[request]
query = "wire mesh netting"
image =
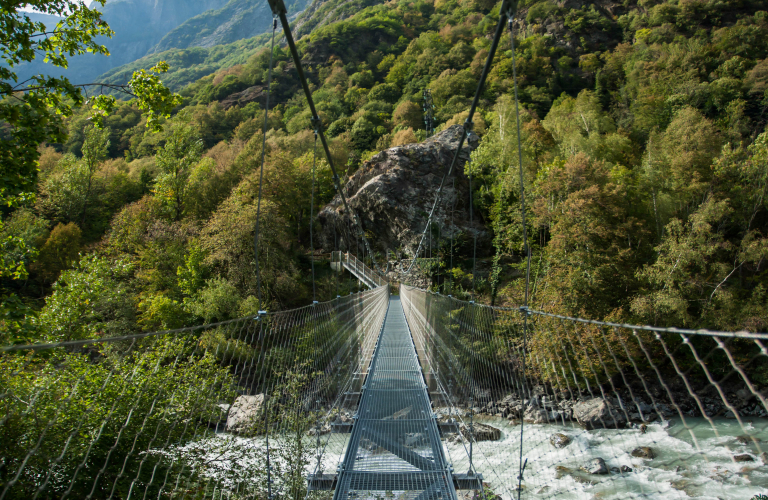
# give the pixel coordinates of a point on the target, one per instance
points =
(189, 413)
(606, 410)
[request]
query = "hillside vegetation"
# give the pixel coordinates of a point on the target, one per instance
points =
(644, 149)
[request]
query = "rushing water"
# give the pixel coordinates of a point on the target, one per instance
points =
(692, 461)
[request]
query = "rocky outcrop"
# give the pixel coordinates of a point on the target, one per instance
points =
(597, 413)
(394, 191)
(243, 413)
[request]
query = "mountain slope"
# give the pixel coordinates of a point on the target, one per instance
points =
(138, 25)
(237, 20)
(197, 59)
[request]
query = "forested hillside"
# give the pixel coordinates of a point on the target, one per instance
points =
(644, 146)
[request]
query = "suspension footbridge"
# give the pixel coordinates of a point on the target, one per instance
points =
(377, 395)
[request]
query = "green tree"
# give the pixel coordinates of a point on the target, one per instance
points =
(94, 152)
(34, 109)
(60, 251)
(176, 161)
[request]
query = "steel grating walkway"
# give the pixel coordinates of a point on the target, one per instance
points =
(395, 446)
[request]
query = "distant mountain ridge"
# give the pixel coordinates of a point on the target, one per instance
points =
(196, 59)
(140, 25)
(237, 20)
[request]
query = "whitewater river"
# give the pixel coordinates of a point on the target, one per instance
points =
(679, 469)
(691, 463)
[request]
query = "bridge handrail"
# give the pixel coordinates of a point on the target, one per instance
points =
(351, 261)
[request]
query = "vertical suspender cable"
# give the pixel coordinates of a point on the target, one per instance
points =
(261, 168)
(471, 223)
(312, 221)
(525, 244)
(507, 7)
(256, 237)
(279, 10)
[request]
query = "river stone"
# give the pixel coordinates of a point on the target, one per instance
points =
(596, 466)
(485, 432)
(534, 415)
(643, 452)
(625, 468)
(559, 440)
(748, 439)
(561, 471)
(243, 412)
(598, 413)
(730, 414)
(743, 458)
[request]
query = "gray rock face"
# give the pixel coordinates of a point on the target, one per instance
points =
(598, 413)
(243, 412)
(595, 466)
(394, 191)
(643, 452)
(559, 440)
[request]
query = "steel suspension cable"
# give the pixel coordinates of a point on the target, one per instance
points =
(261, 168)
(312, 220)
(279, 10)
(507, 7)
(526, 248)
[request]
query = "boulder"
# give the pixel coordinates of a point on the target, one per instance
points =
(643, 452)
(535, 415)
(559, 440)
(598, 413)
(243, 413)
(748, 439)
(595, 466)
(730, 414)
(625, 468)
(744, 457)
(485, 432)
(393, 193)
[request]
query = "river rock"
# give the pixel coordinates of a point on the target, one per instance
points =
(598, 413)
(561, 471)
(625, 468)
(744, 457)
(643, 452)
(730, 414)
(748, 439)
(595, 466)
(243, 412)
(483, 432)
(559, 440)
(535, 415)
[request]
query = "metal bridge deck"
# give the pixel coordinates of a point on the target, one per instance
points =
(395, 446)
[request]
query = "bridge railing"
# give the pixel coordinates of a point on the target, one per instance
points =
(692, 398)
(357, 267)
(193, 412)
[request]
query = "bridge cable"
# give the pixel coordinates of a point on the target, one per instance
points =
(256, 238)
(506, 8)
(261, 168)
(279, 10)
(312, 221)
(527, 249)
